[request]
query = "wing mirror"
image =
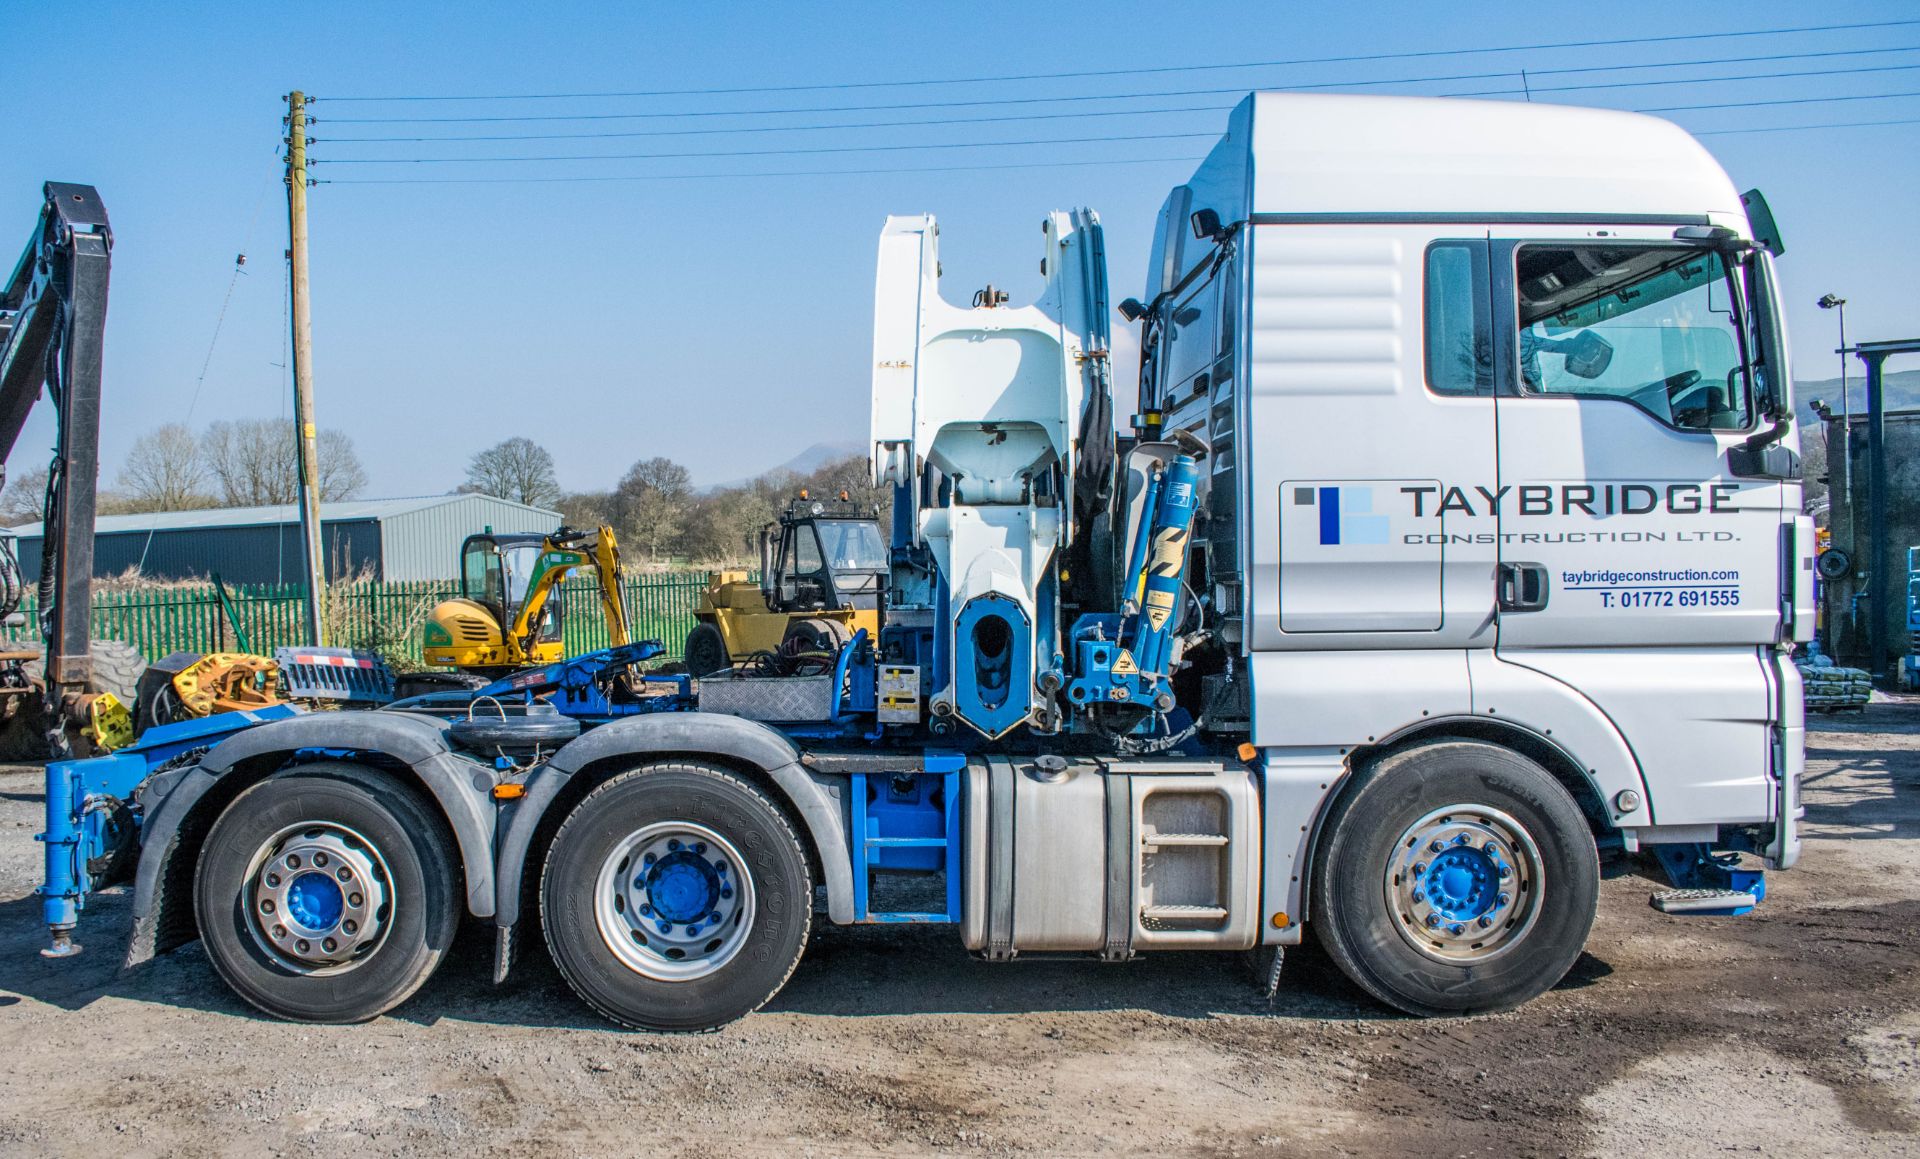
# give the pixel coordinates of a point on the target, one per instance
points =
(1588, 355)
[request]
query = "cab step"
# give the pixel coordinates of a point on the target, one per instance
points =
(1704, 902)
(1184, 914)
(1707, 884)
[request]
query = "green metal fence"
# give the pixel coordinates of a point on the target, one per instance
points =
(383, 617)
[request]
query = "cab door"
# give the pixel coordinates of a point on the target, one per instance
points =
(1637, 569)
(1625, 380)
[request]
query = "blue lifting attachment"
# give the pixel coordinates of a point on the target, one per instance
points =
(1126, 658)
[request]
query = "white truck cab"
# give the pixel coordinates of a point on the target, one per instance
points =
(1494, 393)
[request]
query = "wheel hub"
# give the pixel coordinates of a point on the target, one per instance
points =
(1463, 883)
(319, 897)
(673, 901)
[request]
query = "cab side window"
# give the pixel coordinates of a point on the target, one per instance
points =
(1459, 324)
(1657, 326)
(1191, 348)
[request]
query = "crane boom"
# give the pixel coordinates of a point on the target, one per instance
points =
(53, 313)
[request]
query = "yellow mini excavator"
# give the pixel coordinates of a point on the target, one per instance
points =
(503, 619)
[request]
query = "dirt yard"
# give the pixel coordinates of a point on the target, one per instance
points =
(1795, 1031)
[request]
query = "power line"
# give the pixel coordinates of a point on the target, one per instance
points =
(775, 173)
(1801, 128)
(522, 159)
(994, 101)
(1786, 101)
(947, 168)
(921, 82)
(629, 133)
(769, 152)
(1644, 84)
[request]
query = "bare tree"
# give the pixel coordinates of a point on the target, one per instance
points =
(24, 500)
(518, 469)
(341, 475)
(255, 462)
(165, 472)
(651, 503)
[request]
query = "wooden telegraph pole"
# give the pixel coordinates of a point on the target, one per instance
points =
(303, 368)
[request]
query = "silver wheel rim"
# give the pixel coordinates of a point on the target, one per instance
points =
(318, 897)
(1463, 884)
(674, 901)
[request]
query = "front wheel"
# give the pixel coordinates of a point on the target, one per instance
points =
(1456, 878)
(327, 893)
(676, 897)
(706, 651)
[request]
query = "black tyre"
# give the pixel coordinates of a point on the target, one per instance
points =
(706, 651)
(1455, 878)
(327, 893)
(117, 668)
(676, 897)
(513, 734)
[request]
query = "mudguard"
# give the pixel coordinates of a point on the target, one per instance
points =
(462, 787)
(819, 801)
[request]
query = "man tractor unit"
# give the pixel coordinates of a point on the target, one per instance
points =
(1454, 542)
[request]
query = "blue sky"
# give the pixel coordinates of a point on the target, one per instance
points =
(725, 321)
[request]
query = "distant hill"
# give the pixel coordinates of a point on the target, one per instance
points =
(1902, 389)
(804, 463)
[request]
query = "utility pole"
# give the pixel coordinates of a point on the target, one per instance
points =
(303, 368)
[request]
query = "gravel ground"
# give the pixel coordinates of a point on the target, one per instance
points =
(1795, 1031)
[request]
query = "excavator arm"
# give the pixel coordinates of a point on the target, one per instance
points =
(560, 555)
(613, 601)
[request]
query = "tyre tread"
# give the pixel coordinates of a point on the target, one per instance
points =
(398, 798)
(585, 809)
(1329, 932)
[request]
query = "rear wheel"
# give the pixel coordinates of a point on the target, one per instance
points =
(327, 893)
(1456, 878)
(676, 897)
(706, 651)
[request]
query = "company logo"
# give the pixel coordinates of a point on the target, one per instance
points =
(1346, 514)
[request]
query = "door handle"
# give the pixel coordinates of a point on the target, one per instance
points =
(1523, 587)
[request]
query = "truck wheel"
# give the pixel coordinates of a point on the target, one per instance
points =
(1455, 878)
(706, 651)
(326, 893)
(676, 897)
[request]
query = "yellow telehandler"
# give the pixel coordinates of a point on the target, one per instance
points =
(822, 568)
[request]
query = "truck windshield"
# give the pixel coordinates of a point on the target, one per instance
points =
(1659, 326)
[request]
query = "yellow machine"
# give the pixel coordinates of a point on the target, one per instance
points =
(504, 619)
(822, 568)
